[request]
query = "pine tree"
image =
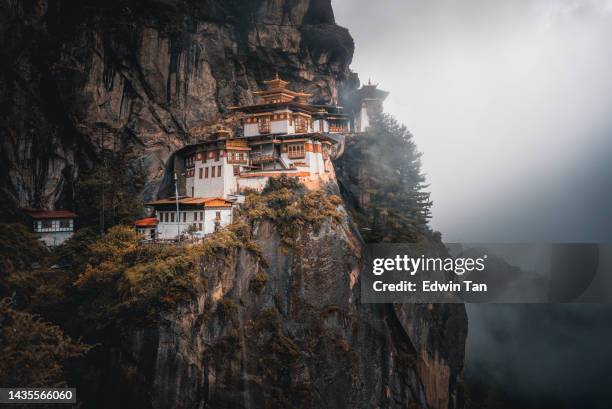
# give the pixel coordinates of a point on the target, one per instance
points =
(380, 173)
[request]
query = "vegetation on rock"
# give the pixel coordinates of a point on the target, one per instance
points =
(33, 351)
(286, 203)
(19, 248)
(109, 193)
(380, 176)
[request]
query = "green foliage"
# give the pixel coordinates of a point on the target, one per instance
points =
(226, 310)
(286, 203)
(33, 351)
(123, 277)
(380, 174)
(258, 282)
(283, 182)
(268, 320)
(109, 193)
(74, 252)
(237, 235)
(19, 248)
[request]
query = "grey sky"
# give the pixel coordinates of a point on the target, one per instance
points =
(511, 104)
(509, 101)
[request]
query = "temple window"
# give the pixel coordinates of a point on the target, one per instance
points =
(300, 124)
(264, 124)
(296, 151)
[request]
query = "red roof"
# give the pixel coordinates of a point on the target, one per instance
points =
(51, 214)
(146, 222)
(194, 201)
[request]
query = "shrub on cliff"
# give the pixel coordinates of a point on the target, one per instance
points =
(19, 247)
(33, 351)
(108, 193)
(290, 207)
(124, 278)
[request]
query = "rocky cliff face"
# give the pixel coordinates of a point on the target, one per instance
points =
(144, 78)
(80, 78)
(286, 329)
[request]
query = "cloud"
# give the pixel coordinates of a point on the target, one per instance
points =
(542, 352)
(508, 101)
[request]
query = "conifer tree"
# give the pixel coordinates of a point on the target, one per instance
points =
(380, 173)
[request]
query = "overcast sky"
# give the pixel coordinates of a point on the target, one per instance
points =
(510, 103)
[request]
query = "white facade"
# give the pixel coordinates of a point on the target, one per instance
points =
(204, 221)
(53, 232)
(363, 120)
(147, 233)
(225, 171)
(283, 121)
(213, 178)
(321, 125)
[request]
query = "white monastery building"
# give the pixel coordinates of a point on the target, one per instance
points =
(370, 100)
(282, 135)
(53, 227)
(196, 216)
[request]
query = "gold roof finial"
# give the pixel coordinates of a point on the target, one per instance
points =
(277, 76)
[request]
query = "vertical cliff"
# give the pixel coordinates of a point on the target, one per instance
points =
(284, 329)
(143, 78)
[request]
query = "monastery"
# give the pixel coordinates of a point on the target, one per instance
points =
(283, 134)
(53, 227)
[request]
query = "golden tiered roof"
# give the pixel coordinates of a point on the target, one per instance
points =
(277, 92)
(222, 133)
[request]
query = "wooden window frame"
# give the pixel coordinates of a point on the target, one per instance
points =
(264, 125)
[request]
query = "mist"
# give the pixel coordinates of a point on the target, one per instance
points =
(509, 104)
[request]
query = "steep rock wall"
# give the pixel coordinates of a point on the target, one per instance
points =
(302, 339)
(286, 329)
(148, 77)
(144, 78)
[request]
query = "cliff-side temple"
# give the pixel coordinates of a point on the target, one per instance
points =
(282, 134)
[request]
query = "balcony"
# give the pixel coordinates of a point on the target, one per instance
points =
(296, 155)
(338, 128)
(236, 143)
(257, 158)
